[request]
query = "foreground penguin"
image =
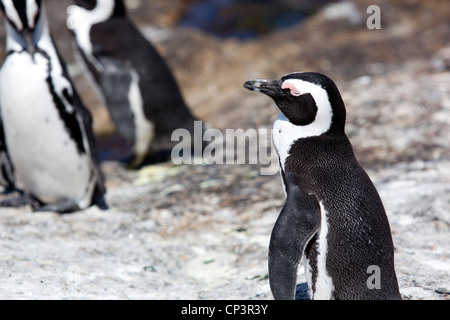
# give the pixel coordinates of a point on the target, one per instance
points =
(142, 96)
(47, 129)
(333, 215)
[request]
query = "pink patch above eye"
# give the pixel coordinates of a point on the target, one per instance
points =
(294, 91)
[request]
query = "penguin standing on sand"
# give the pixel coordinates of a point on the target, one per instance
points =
(47, 129)
(141, 94)
(333, 215)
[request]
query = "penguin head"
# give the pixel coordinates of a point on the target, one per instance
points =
(116, 6)
(85, 13)
(86, 4)
(23, 18)
(308, 100)
(22, 15)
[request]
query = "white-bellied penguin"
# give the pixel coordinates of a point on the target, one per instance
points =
(333, 215)
(137, 85)
(47, 129)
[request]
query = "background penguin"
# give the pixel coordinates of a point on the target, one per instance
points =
(142, 95)
(48, 131)
(333, 214)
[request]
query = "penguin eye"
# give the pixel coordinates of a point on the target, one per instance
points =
(292, 89)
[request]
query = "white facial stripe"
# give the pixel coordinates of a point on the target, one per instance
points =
(80, 21)
(32, 8)
(12, 14)
(322, 123)
(285, 133)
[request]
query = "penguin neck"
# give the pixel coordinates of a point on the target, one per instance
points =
(41, 35)
(80, 21)
(103, 11)
(286, 135)
(14, 40)
(119, 9)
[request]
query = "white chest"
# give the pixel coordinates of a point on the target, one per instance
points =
(284, 134)
(46, 161)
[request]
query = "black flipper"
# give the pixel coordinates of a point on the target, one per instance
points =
(85, 121)
(6, 167)
(297, 223)
(115, 81)
(81, 121)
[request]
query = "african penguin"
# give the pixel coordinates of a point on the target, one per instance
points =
(141, 94)
(333, 215)
(47, 129)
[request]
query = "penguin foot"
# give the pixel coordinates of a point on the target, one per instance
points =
(157, 157)
(18, 201)
(60, 207)
(160, 156)
(134, 162)
(102, 204)
(302, 292)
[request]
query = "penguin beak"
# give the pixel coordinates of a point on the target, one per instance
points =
(28, 37)
(272, 88)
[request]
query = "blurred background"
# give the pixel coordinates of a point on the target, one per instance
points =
(214, 46)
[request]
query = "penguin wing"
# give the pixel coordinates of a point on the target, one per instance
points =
(84, 119)
(6, 167)
(297, 223)
(115, 80)
(79, 125)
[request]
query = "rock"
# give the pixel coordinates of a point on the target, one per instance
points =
(416, 292)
